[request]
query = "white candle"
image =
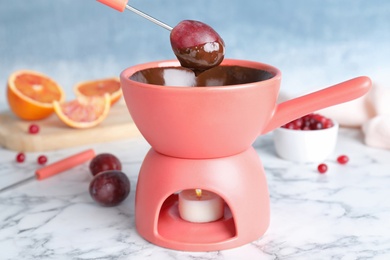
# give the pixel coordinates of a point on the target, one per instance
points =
(203, 207)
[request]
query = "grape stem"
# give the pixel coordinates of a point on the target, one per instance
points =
(146, 16)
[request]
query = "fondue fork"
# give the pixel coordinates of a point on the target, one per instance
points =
(121, 5)
(56, 167)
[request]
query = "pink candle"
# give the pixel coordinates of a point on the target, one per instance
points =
(200, 206)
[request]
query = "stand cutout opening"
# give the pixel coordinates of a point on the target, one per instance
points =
(172, 227)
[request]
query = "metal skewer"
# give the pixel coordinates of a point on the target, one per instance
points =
(121, 5)
(18, 183)
(150, 18)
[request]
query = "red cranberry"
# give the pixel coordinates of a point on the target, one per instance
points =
(322, 168)
(42, 159)
(33, 129)
(328, 123)
(20, 157)
(316, 126)
(306, 124)
(290, 125)
(342, 159)
(320, 118)
(296, 124)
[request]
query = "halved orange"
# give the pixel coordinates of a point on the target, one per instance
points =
(30, 94)
(83, 112)
(99, 87)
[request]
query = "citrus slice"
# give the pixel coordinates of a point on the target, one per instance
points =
(83, 112)
(99, 87)
(31, 94)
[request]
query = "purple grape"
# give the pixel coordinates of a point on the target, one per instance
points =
(109, 188)
(197, 46)
(104, 162)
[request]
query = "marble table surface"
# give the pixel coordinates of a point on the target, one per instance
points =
(343, 214)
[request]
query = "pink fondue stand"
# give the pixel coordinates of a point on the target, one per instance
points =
(201, 138)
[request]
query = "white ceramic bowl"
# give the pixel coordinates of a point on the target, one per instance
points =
(305, 145)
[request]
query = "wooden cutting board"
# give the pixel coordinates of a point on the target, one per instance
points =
(54, 134)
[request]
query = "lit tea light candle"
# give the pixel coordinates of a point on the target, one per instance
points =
(200, 206)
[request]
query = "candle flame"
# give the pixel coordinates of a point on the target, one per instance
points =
(198, 193)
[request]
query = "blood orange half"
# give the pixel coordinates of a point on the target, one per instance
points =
(112, 86)
(31, 94)
(83, 112)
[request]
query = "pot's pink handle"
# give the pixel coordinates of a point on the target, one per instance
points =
(297, 107)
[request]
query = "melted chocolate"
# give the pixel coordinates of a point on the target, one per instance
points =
(201, 57)
(218, 76)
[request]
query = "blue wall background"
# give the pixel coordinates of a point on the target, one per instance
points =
(315, 43)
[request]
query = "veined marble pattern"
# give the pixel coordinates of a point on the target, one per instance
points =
(344, 214)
